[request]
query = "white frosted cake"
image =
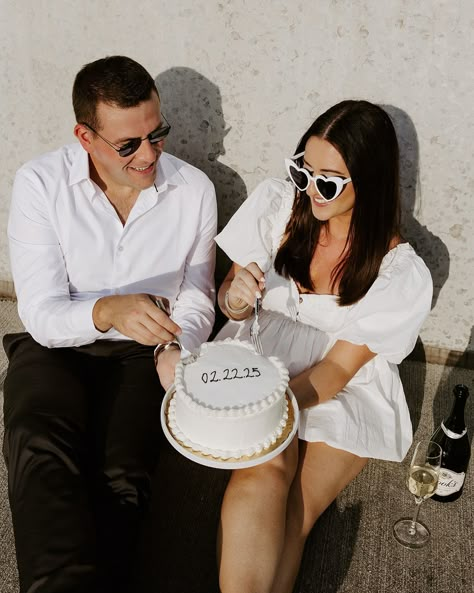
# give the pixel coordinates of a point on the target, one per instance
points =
(229, 401)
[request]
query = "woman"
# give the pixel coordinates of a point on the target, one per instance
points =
(344, 298)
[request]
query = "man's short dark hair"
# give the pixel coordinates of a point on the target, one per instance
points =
(114, 80)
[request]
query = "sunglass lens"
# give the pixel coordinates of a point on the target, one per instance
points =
(298, 178)
(130, 147)
(327, 189)
(159, 134)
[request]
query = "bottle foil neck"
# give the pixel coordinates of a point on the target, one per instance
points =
(451, 434)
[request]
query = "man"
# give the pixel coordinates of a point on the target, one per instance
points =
(98, 230)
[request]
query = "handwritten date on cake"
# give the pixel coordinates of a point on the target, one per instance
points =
(230, 374)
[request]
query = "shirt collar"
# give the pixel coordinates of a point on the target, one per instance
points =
(79, 165)
(167, 173)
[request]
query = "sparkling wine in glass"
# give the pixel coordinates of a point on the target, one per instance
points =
(422, 480)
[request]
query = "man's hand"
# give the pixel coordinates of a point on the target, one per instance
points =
(166, 365)
(135, 316)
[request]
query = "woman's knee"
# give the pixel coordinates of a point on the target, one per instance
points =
(323, 474)
(284, 466)
(278, 472)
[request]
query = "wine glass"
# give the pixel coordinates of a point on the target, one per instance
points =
(422, 480)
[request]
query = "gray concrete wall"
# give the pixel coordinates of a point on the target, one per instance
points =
(241, 80)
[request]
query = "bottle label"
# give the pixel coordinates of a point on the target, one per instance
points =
(449, 482)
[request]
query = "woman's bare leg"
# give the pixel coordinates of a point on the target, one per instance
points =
(323, 472)
(252, 529)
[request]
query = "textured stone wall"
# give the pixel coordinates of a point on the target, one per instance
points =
(241, 80)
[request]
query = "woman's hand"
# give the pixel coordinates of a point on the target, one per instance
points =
(246, 285)
(237, 293)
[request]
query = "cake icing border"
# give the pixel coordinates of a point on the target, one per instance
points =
(229, 456)
(229, 411)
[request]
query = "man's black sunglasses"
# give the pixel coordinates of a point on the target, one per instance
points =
(133, 144)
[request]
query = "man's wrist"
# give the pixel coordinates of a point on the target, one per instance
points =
(172, 345)
(98, 320)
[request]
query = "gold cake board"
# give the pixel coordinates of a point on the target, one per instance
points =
(233, 462)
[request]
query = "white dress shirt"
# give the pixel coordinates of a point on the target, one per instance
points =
(68, 247)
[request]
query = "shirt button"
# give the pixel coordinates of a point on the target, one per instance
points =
(120, 248)
(301, 299)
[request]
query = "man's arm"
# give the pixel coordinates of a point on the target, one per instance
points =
(135, 316)
(39, 271)
(193, 310)
(42, 284)
(194, 306)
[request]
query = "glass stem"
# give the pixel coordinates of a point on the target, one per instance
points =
(418, 502)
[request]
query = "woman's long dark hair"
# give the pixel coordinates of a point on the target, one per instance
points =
(364, 136)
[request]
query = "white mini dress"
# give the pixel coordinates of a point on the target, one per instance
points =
(369, 417)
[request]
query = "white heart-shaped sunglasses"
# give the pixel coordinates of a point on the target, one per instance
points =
(329, 188)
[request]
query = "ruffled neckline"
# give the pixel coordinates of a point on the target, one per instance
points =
(387, 260)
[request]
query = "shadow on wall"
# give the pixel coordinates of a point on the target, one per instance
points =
(428, 246)
(193, 106)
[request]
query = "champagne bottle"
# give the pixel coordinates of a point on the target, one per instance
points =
(452, 437)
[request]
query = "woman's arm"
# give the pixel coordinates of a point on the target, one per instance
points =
(326, 379)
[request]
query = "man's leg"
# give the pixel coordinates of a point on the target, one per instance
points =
(45, 448)
(127, 425)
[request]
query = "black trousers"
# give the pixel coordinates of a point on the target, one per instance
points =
(82, 432)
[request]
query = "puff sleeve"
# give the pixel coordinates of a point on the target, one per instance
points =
(389, 317)
(254, 232)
